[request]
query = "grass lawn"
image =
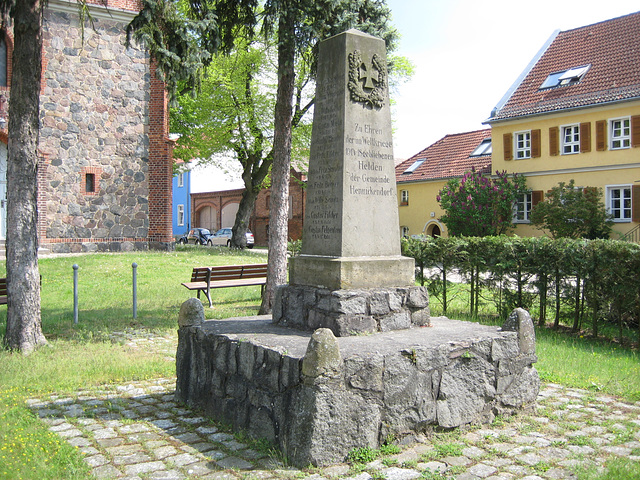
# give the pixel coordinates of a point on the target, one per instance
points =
(86, 354)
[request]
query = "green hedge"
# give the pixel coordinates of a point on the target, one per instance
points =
(582, 283)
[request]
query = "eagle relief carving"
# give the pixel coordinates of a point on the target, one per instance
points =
(367, 81)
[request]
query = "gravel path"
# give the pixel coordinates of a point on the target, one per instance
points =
(137, 431)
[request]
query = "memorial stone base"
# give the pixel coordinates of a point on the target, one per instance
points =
(317, 397)
(351, 312)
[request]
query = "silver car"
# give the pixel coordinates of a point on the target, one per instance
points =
(223, 237)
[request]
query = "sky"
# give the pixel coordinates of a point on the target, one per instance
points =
(466, 54)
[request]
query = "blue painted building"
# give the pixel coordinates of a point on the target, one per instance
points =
(181, 210)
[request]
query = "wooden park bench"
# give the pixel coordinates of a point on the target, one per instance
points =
(3, 291)
(203, 279)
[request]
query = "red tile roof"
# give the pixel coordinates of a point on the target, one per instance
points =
(612, 48)
(447, 158)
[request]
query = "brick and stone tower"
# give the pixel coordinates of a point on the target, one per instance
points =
(105, 171)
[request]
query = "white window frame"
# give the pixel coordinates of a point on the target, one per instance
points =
(522, 208)
(522, 145)
(619, 133)
(181, 215)
(404, 231)
(404, 197)
(571, 146)
(180, 180)
(616, 206)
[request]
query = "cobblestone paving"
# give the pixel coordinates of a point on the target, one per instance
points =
(138, 431)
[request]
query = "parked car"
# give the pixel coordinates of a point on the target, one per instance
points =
(223, 237)
(197, 236)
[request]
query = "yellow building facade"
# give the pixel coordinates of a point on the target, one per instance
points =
(573, 114)
(420, 178)
(420, 215)
(614, 170)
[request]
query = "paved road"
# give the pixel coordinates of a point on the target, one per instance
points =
(137, 430)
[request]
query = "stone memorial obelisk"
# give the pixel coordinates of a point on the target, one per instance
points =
(351, 276)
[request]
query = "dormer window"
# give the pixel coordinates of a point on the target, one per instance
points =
(414, 166)
(565, 77)
(483, 149)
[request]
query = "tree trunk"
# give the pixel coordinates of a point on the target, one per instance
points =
(576, 313)
(280, 171)
(473, 287)
(241, 225)
(556, 321)
(543, 298)
(444, 289)
(24, 325)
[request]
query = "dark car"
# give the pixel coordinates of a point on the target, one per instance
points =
(196, 236)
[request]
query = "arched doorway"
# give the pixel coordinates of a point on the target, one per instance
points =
(207, 218)
(229, 213)
(433, 229)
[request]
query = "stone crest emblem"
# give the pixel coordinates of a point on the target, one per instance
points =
(367, 81)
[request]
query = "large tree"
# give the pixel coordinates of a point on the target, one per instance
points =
(232, 116)
(24, 326)
(182, 36)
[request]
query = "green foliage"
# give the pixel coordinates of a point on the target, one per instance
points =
(362, 455)
(573, 212)
(449, 449)
(479, 205)
(294, 247)
(183, 40)
(618, 469)
(593, 283)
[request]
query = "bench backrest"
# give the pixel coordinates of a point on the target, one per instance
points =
(200, 274)
(229, 272)
(3, 286)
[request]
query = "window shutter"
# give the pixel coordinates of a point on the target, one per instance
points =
(507, 139)
(635, 203)
(554, 147)
(635, 131)
(601, 135)
(537, 196)
(535, 143)
(585, 137)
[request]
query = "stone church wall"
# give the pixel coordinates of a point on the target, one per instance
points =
(103, 155)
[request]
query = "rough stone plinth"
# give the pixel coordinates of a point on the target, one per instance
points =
(318, 398)
(351, 312)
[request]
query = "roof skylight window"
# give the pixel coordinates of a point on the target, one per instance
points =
(565, 77)
(414, 165)
(483, 149)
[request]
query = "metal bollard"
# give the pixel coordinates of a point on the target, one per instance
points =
(134, 265)
(75, 293)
